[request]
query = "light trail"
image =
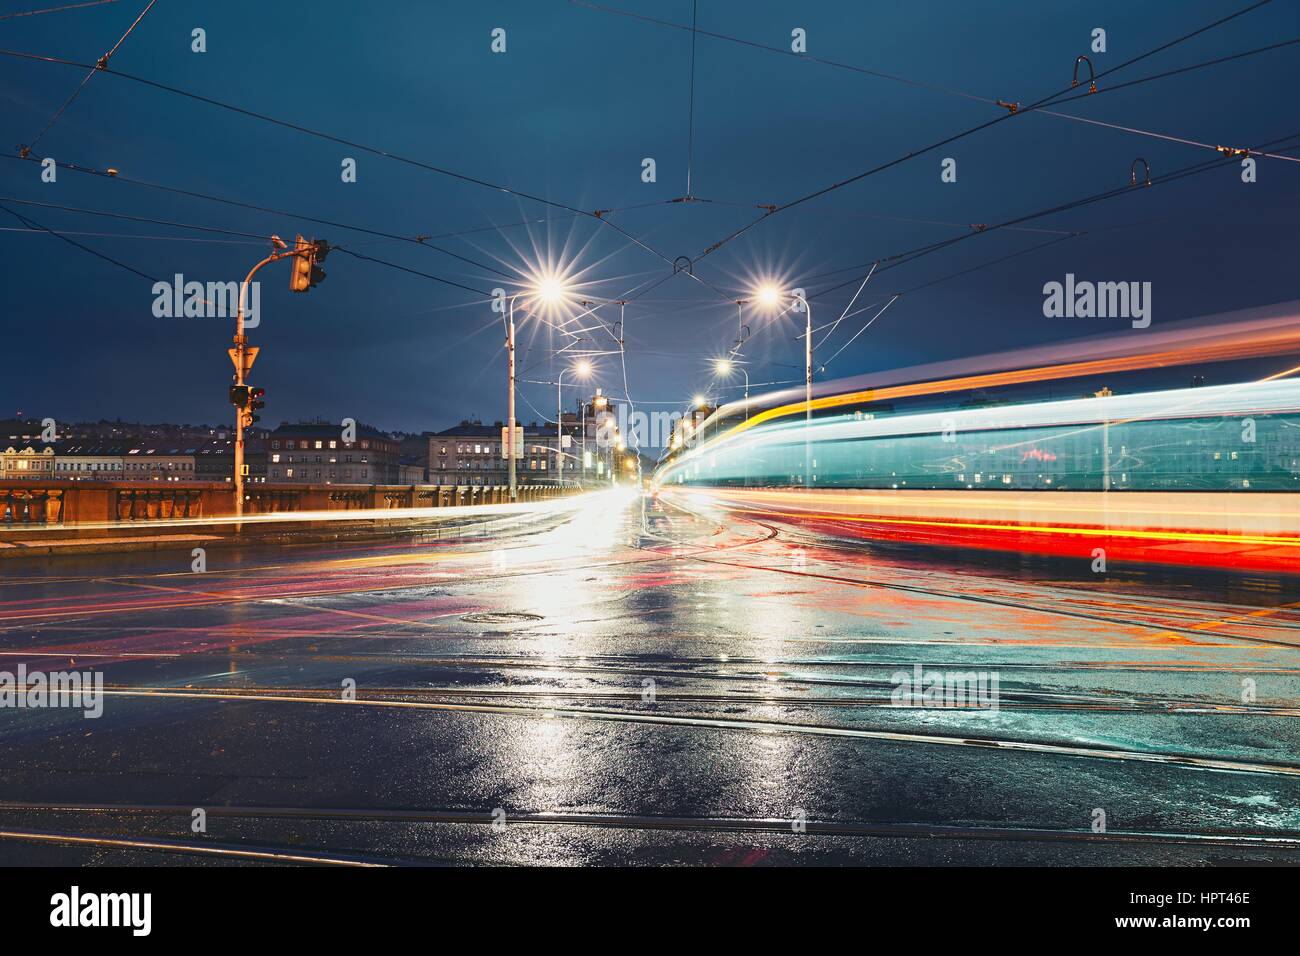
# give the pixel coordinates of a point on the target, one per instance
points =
(1249, 334)
(554, 506)
(958, 595)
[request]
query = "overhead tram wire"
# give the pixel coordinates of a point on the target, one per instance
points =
(906, 257)
(31, 223)
(976, 268)
(1020, 110)
(771, 49)
(690, 123)
(194, 194)
(866, 325)
(836, 323)
(892, 77)
(130, 236)
(1127, 189)
(373, 150)
(100, 66)
(987, 264)
(60, 234)
(1227, 58)
(424, 275)
(144, 219)
(420, 239)
(1247, 151)
(70, 6)
(909, 256)
(1173, 139)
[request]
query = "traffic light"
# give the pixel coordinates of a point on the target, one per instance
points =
(307, 256)
(255, 403)
(239, 396)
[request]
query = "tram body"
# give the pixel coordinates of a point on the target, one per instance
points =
(1197, 476)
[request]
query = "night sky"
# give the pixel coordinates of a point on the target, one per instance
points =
(567, 113)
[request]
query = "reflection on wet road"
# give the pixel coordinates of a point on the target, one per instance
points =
(648, 681)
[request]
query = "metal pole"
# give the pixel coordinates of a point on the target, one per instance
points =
(744, 474)
(510, 424)
(808, 372)
(241, 350)
(559, 430)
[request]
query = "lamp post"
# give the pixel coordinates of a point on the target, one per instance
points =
(770, 295)
(808, 367)
(550, 291)
(510, 398)
(582, 370)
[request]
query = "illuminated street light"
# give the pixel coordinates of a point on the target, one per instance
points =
(581, 369)
(724, 367)
(550, 289)
(771, 296)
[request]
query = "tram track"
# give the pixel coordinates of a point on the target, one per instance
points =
(1280, 840)
(724, 723)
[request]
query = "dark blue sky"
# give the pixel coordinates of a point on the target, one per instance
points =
(567, 113)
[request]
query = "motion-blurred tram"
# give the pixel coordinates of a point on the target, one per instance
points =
(1192, 476)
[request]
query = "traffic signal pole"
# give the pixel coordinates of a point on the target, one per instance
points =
(242, 356)
(246, 400)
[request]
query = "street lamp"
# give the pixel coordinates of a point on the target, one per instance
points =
(550, 290)
(772, 296)
(581, 369)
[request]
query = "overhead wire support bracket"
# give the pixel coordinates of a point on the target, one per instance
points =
(1092, 74)
(1133, 172)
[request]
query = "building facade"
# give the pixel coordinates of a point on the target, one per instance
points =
(315, 453)
(472, 453)
(27, 461)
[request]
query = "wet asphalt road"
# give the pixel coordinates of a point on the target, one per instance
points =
(638, 683)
